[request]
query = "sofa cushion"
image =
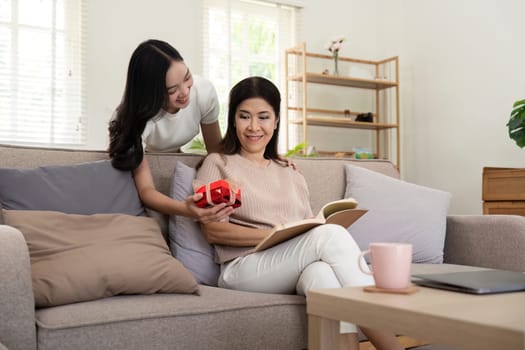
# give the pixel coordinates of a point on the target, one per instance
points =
(219, 319)
(398, 211)
(84, 257)
(84, 188)
(187, 243)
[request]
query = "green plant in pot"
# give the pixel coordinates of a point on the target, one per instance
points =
(516, 123)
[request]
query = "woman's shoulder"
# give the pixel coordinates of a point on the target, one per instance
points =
(213, 163)
(215, 158)
(212, 157)
(286, 168)
(206, 99)
(202, 83)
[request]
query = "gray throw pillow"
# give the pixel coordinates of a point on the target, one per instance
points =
(84, 188)
(398, 211)
(187, 243)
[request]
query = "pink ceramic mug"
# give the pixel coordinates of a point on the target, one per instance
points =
(390, 264)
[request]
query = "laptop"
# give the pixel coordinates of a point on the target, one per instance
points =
(474, 282)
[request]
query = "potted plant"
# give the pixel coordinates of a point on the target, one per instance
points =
(334, 46)
(516, 123)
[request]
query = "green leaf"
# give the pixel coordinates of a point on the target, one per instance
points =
(516, 123)
(197, 146)
(297, 150)
(520, 102)
(519, 137)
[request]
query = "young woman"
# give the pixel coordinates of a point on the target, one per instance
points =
(164, 106)
(273, 193)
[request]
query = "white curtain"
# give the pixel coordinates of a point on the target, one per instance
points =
(41, 77)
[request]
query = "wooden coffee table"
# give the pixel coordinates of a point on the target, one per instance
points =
(467, 321)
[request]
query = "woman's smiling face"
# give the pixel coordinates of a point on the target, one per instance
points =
(255, 122)
(178, 84)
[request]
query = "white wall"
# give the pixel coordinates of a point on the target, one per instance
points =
(114, 30)
(462, 69)
(461, 66)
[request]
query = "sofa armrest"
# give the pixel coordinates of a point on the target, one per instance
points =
(494, 241)
(17, 305)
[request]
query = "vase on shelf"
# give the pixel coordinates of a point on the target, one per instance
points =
(336, 62)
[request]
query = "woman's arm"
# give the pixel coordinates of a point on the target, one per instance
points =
(226, 233)
(211, 133)
(158, 201)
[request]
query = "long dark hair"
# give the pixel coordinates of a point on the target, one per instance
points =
(252, 87)
(144, 96)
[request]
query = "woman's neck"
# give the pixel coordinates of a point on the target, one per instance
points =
(172, 111)
(256, 158)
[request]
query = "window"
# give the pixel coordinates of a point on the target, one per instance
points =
(41, 92)
(244, 38)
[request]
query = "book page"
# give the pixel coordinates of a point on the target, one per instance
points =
(346, 217)
(335, 206)
(343, 217)
(282, 233)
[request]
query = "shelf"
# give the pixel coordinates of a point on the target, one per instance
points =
(340, 154)
(328, 79)
(381, 99)
(343, 122)
(323, 110)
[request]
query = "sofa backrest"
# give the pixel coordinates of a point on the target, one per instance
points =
(325, 176)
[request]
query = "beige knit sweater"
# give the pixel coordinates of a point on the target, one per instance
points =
(270, 195)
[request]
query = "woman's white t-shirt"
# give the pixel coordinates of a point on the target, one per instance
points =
(167, 132)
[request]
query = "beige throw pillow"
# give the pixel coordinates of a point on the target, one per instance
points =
(85, 257)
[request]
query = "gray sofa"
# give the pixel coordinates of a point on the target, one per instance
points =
(218, 318)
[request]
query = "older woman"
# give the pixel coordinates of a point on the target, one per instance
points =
(273, 193)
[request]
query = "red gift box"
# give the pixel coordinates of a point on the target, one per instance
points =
(217, 192)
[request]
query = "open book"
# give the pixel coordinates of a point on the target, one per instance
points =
(343, 212)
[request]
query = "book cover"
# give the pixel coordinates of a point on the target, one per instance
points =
(342, 212)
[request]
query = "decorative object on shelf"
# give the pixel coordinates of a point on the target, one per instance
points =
(365, 117)
(363, 153)
(516, 123)
(346, 113)
(334, 47)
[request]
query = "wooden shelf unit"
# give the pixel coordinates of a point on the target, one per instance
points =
(310, 116)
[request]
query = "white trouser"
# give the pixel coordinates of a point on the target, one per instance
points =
(324, 257)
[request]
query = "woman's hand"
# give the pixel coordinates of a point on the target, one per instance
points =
(289, 163)
(217, 212)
